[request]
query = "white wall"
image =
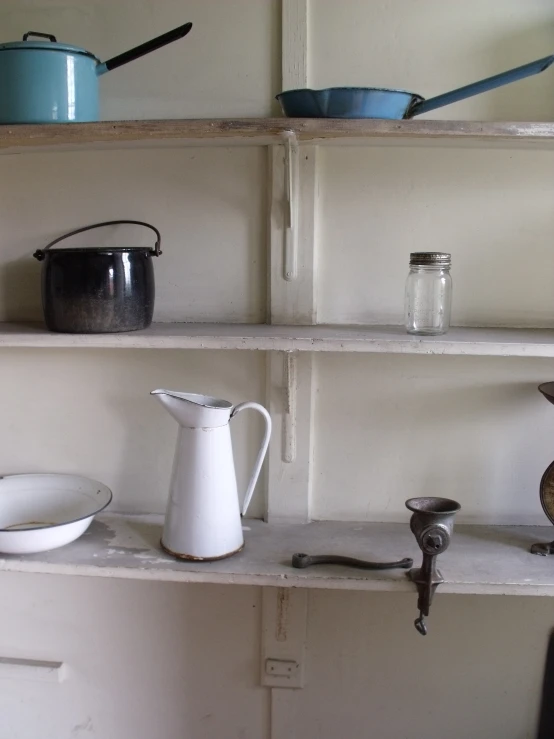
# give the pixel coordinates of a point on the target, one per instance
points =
(209, 205)
(227, 66)
(392, 427)
(143, 660)
(486, 429)
(491, 209)
(172, 661)
(430, 47)
(163, 660)
(477, 676)
(159, 660)
(90, 412)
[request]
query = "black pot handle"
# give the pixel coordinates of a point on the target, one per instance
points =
(42, 35)
(146, 48)
(156, 251)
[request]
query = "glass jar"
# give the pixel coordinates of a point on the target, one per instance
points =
(428, 294)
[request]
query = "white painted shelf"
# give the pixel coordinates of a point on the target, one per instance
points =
(265, 131)
(372, 339)
(483, 560)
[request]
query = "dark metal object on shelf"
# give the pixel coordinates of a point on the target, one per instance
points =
(544, 549)
(546, 489)
(547, 389)
(546, 492)
(301, 560)
(432, 523)
(101, 289)
(546, 715)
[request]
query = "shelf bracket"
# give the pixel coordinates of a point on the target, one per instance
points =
(294, 38)
(290, 260)
(290, 372)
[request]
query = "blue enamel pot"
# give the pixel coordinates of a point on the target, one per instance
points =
(43, 81)
(378, 102)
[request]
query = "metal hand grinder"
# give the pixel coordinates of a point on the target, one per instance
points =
(431, 523)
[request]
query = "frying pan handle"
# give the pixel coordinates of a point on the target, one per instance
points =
(156, 251)
(490, 83)
(146, 48)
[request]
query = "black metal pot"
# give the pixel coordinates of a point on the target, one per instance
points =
(101, 289)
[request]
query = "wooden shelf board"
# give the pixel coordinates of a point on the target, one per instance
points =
(263, 131)
(371, 339)
(483, 560)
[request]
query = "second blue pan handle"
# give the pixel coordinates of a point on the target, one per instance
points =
(498, 80)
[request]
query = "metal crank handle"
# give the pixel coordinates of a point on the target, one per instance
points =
(421, 626)
(301, 560)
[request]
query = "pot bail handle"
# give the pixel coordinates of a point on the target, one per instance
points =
(263, 449)
(156, 251)
(49, 36)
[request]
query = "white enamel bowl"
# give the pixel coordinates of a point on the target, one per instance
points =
(42, 512)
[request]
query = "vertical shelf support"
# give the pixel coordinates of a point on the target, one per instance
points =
(285, 619)
(292, 189)
(284, 613)
(289, 421)
(290, 383)
(294, 52)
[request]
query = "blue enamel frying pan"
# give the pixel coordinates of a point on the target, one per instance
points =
(377, 102)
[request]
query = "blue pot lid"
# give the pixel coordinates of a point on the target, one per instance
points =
(46, 46)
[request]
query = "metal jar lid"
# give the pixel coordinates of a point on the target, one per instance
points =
(430, 259)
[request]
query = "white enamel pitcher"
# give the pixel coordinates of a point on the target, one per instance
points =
(203, 518)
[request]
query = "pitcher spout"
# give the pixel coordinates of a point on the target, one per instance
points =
(195, 411)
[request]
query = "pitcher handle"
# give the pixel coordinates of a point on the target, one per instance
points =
(263, 449)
